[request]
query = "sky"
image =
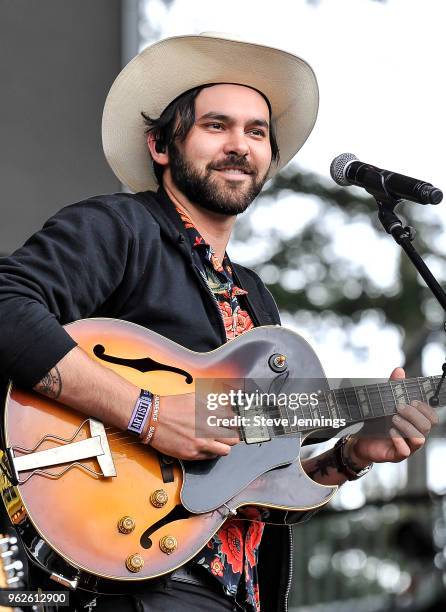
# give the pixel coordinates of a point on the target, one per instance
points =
(382, 79)
(380, 67)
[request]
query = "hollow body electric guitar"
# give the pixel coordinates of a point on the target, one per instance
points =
(95, 508)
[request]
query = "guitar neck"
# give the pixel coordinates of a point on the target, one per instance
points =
(339, 408)
(365, 402)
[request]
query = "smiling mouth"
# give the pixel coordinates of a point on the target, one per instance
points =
(232, 171)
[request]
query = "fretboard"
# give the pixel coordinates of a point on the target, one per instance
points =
(364, 402)
(350, 405)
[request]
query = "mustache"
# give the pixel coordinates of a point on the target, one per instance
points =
(239, 164)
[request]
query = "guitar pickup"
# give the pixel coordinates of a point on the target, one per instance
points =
(253, 428)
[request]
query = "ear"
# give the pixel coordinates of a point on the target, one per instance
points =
(161, 157)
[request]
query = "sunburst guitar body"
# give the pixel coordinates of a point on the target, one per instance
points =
(96, 509)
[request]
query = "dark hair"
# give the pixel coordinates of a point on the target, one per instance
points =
(177, 119)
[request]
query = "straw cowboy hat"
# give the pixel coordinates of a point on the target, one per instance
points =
(166, 69)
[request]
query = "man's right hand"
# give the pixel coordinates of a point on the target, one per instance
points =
(175, 431)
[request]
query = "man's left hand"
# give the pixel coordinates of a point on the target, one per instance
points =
(410, 428)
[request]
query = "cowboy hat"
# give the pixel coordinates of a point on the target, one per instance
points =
(166, 69)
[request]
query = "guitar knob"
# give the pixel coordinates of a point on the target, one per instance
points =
(168, 544)
(278, 362)
(134, 563)
(126, 524)
(159, 498)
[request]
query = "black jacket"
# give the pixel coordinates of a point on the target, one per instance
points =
(128, 257)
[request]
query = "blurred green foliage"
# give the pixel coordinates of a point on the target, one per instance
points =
(336, 285)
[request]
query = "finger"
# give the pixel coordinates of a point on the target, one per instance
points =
(228, 441)
(427, 410)
(397, 374)
(405, 427)
(413, 438)
(414, 416)
(203, 457)
(401, 447)
(214, 447)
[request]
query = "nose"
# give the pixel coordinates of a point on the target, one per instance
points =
(236, 143)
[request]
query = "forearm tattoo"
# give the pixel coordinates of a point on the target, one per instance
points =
(51, 384)
(322, 465)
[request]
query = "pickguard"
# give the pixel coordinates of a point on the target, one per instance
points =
(207, 485)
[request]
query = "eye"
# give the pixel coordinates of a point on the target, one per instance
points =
(258, 132)
(215, 126)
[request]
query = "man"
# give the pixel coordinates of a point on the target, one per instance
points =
(221, 116)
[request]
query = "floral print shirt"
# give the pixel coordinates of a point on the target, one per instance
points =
(231, 555)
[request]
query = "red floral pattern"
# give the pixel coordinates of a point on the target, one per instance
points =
(236, 323)
(217, 567)
(252, 542)
(231, 545)
(232, 553)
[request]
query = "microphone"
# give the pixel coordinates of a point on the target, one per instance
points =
(346, 169)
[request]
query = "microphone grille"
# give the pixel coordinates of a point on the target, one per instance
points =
(338, 167)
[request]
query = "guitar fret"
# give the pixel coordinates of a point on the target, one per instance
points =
(353, 403)
(392, 406)
(302, 410)
(295, 428)
(381, 398)
(315, 413)
(287, 428)
(320, 406)
(332, 405)
(399, 395)
(420, 389)
(420, 382)
(358, 403)
(434, 384)
(427, 388)
(364, 402)
(340, 404)
(346, 405)
(375, 401)
(413, 390)
(406, 390)
(329, 413)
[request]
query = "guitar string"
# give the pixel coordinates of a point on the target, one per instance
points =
(385, 391)
(409, 385)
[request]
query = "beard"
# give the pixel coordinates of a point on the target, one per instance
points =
(208, 191)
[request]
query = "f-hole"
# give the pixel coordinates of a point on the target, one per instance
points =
(143, 364)
(178, 513)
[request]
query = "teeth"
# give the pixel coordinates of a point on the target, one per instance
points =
(233, 171)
